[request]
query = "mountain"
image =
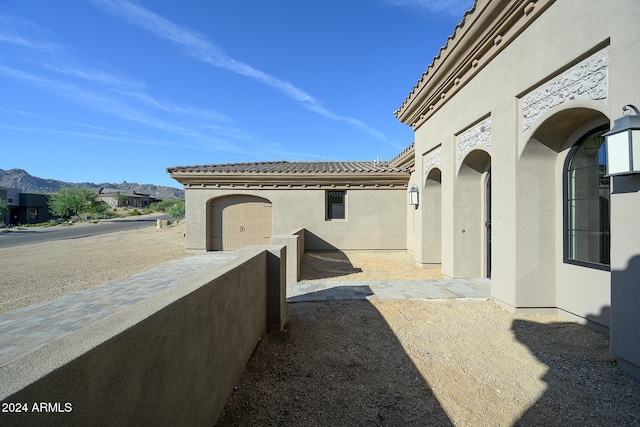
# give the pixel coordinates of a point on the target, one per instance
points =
(21, 179)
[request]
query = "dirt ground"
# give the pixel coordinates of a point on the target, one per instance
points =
(425, 363)
(363, 265)
(43, 271)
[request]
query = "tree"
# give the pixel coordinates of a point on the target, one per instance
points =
(4, 209)
(121, 199)
(176, 209)
(72, 201)
(173, 207)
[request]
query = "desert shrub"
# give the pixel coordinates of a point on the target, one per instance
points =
(173, 207)
(177, 209)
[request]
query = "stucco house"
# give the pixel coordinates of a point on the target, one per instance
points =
(508, 161)
(117, 199)
(25, 208)
(345, 205)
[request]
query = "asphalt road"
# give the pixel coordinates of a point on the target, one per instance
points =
(31, 235)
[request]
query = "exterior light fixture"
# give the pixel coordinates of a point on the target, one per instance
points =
(413, 196)
(623, 143)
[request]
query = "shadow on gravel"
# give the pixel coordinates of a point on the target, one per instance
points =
(315, 373)
(317, 265)
(584, 385)
(357, 292)
(339, 363)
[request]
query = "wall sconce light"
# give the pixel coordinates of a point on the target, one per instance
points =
(413, 196)
(623, 143)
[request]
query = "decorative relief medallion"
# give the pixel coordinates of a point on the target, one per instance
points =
(587, 80)
(433, 159)
(479, 134)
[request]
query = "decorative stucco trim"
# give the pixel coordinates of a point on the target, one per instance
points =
(586, 80)
(433, 159)
(480, 134)
(286, 186)
(299, 181)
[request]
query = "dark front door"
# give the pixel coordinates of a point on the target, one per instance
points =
(488, 224)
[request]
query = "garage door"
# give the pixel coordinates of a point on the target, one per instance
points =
(239, 221)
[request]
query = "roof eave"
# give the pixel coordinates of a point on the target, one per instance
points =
(485, 30)
(285, 179)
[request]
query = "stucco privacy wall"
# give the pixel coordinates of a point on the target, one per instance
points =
(506, 53)
(294, 243)
(375, 218)
(172, 359)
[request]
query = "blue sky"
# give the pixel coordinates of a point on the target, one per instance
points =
(117, 90)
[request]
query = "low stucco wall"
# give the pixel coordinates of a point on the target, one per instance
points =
(172, 359)
(294, 242)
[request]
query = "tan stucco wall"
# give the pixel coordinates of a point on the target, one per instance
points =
(172, 359)
(375, 218)
(527, 206)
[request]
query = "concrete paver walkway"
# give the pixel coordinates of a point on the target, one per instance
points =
(392, 289)
(27, 329)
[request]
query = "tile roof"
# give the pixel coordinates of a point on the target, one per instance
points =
(442, 53)
(286, 167)
(405, 159)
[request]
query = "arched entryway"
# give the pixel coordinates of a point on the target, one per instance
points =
(544, 277)
(239, 221)
(472, 216)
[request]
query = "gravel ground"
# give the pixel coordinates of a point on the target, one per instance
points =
(430, 363)
(437, 363)
(363, 265)
(372, 363)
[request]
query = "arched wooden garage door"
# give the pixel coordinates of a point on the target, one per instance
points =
(239, 221)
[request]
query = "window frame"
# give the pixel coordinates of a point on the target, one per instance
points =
(565, 205)
(327, 206)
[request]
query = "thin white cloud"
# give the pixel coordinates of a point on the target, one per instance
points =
(95, 76)
(17, 32)
(54, 57)
(29, 114)
(114, 107)
(54, 68)
(87, 135)
(199, 47)
(451, 7)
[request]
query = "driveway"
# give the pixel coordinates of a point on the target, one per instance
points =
(28, 235)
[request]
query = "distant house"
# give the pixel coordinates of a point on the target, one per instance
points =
(25, 208)
(117, 199)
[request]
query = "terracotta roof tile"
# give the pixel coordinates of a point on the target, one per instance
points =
(287, 167)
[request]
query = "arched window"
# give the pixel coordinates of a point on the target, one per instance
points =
(587, 203)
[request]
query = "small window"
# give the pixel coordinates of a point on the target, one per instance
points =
(587, 240)
(33, 214)
(335, 204)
